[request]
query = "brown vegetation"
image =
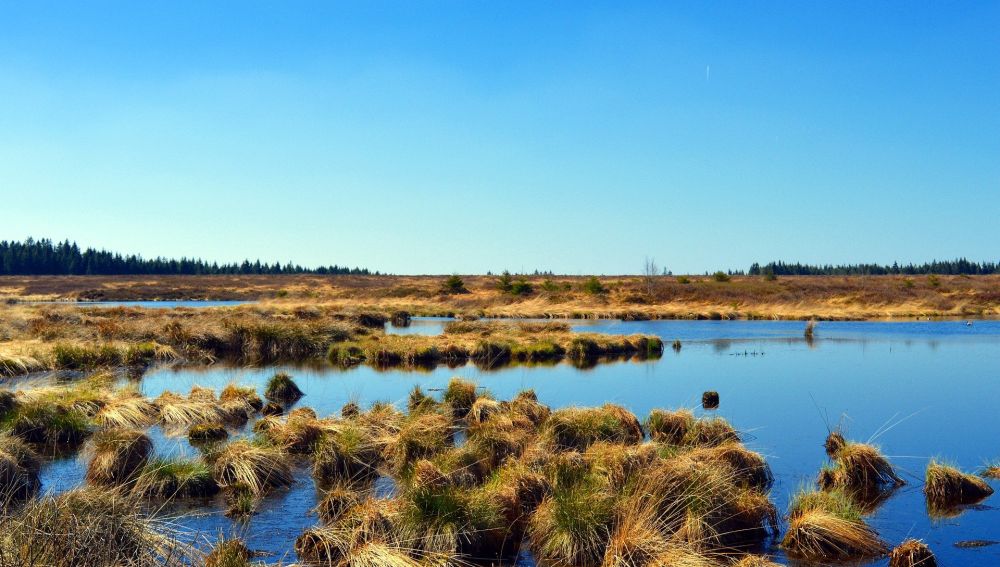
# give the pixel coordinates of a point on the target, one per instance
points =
(798, 297)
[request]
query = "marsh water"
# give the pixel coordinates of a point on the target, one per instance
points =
(917, 389)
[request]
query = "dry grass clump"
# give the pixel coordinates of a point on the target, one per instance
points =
(912, 553)
(336, 501)
(207, 432)
(578, 428)
(418, 401)
(948, 488)
(460, 395)
(420, 437)
(347, 452)
(526, 404)
(756, 561)
(127, 410)
(859, 467)
(299, 432)
(177, 411)
(703, 504)
(573, 523)
(749, 469)
(19, 468)
(282, 388)
(255, 466)
(482, 519)
(366, 534)
(710, 432)
(87, 527)
(669, 427)
(117, 456)
(229, 553)
(834, 443)
(233, 392)
(991, 471)
(54, 416)
(825, 526)
(175, 478)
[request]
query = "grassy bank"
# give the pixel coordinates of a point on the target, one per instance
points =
(798, 297)
(36, 337)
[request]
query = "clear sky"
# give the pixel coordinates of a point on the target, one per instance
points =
(439, 137)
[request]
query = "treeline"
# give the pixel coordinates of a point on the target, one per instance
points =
(44, 257)
(947, 267)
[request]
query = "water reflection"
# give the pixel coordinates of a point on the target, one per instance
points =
(918, 384)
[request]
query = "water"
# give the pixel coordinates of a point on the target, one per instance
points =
(928, 387)
(167, 304)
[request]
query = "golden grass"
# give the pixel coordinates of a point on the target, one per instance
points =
(912, 553)
(948, 488)
(89, 527)
(257, 467)
(858, 466)
(127, 411)
(789, 297)
(182, 412)
(116, 456)
(19, 468)
(828, 526)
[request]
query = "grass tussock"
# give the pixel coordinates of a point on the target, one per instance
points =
(912, 553)
(825, 526)
(88, 527)
(19, 468)
(180, 412)
(669, 427)
(127, 411)
(348, 452)
(281, 388)
(117, 456)
(207, 433)
(460, 395)
(578, 428)
(254, 466)
(176, 478)
(948, 488)
(859, 467)
(231, 552)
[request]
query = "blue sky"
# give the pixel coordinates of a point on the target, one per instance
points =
(439, 137)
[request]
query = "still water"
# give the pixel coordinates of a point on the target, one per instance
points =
(917, 389)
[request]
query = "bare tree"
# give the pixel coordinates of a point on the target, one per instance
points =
(649, 273)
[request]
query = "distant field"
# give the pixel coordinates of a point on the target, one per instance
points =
(827, 297)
